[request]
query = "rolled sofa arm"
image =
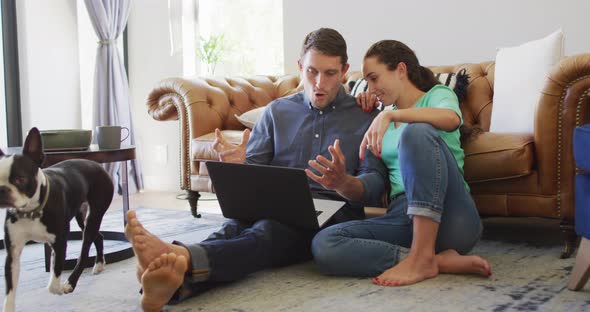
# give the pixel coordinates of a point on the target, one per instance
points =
(201, 105)
(214, 102)
(564, 104)
(189, 100)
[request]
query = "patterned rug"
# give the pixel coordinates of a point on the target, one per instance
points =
(527, 276)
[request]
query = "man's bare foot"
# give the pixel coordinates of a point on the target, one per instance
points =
(160, 281)
(450, 261)
(146, 245)
(139, 272)
(411, 270)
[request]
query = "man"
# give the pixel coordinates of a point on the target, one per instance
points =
(292, 131)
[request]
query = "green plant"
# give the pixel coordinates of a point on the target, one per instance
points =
(210, 50)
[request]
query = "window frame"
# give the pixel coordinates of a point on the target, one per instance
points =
(11, 74)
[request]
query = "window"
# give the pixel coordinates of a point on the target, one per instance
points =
(11, 119)
(251, 33)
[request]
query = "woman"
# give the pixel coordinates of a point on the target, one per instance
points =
(431, 210)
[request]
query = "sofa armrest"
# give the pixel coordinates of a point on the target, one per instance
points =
(201, 105)
(564, 104)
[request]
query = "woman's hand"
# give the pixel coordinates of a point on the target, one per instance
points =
(367, 101)
(373, 139)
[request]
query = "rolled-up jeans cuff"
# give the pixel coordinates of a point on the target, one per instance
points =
(402, 253)
(199, 263)
(425, 212)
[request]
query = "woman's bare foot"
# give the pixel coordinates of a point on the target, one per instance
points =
(146, 245)
(411, 270)
(160, 281)
(450, 261)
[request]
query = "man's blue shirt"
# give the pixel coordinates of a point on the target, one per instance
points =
(291, 132)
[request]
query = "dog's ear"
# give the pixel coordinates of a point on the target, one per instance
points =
(33, 147)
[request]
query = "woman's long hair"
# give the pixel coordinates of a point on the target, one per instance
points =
(393, 52)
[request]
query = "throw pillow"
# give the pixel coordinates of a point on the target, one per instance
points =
(250, 117)
(456, 81)
(519, 78)
(358, 86)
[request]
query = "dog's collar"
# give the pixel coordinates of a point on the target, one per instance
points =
(37, 212)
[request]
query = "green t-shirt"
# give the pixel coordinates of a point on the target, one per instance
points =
(438, 97)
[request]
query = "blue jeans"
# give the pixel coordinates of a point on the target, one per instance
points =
(241, 248)
(434, 188)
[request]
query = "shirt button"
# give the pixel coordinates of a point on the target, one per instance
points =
(333, 107)
(317, 135)
(321, 113)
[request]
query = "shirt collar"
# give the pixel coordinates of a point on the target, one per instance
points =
(330, 107)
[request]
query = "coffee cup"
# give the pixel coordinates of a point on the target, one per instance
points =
(109, 137)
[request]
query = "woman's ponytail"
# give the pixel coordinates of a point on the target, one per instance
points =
(424, 79)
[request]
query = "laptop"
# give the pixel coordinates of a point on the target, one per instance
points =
(254, 192)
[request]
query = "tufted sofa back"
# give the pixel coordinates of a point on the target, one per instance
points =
(218, 100)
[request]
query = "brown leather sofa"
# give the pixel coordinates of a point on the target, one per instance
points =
(511, 175)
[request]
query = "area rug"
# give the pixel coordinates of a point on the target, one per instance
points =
(527, 276)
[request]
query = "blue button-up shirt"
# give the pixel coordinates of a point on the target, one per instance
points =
(291, 132)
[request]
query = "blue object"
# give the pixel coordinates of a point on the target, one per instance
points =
(582, 159)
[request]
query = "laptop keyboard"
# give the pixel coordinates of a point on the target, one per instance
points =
(317, 213)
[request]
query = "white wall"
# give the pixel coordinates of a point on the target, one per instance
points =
(449, 32)
(455, 31)
(48, 60)
(150, 62)
(440, 32)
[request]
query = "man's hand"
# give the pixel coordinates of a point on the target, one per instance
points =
(368, 101)
(333, 173)
(228, 152)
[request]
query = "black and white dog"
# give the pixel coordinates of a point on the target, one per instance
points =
(40, 205)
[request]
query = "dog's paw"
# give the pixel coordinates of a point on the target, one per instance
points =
(8, 309)
(55, 287)
(9, 302)
(98, 267)
(68, 288)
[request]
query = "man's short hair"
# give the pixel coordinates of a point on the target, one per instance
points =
(326, 41)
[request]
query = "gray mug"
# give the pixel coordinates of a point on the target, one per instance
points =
(109, 137)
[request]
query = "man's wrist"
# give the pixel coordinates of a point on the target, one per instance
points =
(350, 188)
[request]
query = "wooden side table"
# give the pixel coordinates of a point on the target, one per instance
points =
(122, 155)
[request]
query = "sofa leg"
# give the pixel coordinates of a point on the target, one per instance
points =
(193, 197)
(571, 238)
(581, 271)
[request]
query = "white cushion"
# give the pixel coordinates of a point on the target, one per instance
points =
(250, 117)
(520, 75)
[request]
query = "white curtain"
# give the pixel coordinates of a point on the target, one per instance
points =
(111, 88)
